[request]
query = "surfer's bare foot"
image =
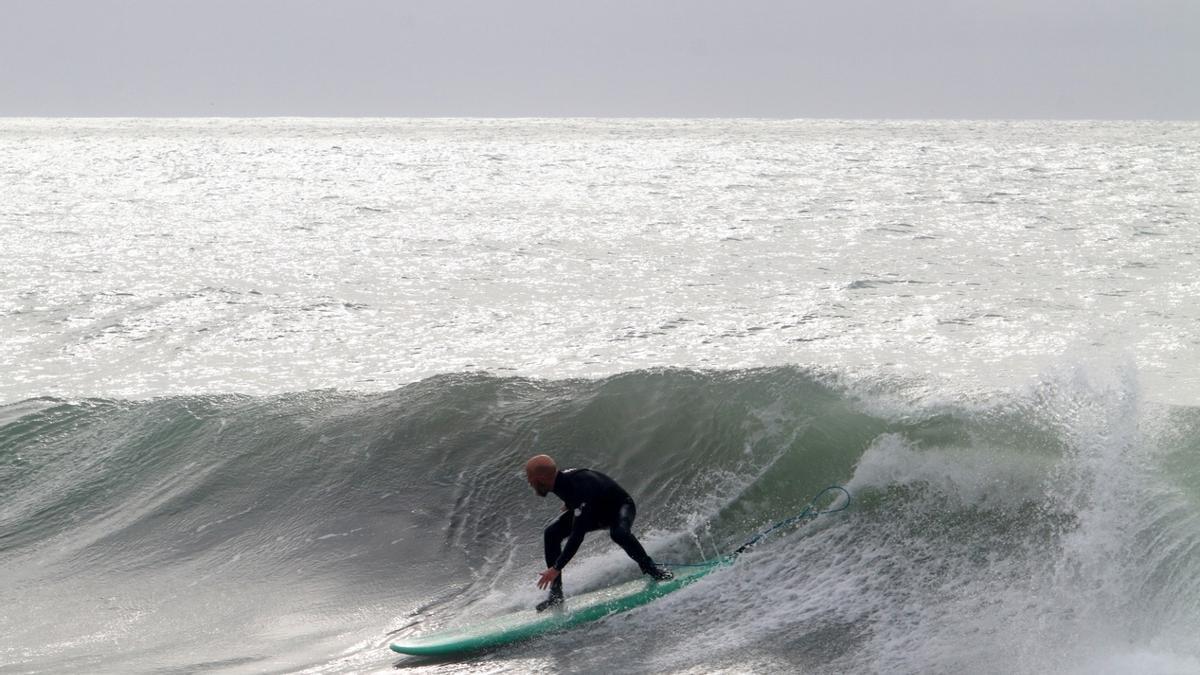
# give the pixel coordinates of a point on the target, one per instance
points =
(660, 574)
(555, 599)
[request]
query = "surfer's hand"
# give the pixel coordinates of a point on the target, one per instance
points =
(547, 577)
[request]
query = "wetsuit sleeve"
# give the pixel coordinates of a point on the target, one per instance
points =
(582, 526)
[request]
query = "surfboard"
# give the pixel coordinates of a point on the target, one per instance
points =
(530, 623)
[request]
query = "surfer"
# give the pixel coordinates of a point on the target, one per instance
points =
(591, 501)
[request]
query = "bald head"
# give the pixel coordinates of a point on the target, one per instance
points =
(541, 471)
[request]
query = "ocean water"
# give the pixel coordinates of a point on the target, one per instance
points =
(266, 388)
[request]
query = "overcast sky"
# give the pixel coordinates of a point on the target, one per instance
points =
(1108, 59)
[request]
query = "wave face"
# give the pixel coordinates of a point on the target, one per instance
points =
(1052, 529)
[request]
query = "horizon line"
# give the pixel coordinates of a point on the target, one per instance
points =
(766, 118)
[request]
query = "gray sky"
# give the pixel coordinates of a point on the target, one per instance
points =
(1105, 59)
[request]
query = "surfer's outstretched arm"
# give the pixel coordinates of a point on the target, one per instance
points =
(573, 542)
(558, 530)
(584, 523)
(581, 525)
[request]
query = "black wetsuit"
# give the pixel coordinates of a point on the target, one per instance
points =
(594, 502)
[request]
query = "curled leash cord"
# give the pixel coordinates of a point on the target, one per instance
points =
(809, 512)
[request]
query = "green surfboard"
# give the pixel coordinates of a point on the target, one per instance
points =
(530, 623)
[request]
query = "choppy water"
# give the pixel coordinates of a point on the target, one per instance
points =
(158, 257)
(266, 388)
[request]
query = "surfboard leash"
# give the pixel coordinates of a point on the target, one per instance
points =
(811, 511)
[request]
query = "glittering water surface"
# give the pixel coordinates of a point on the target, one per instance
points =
(145, 257)
(974, 327)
